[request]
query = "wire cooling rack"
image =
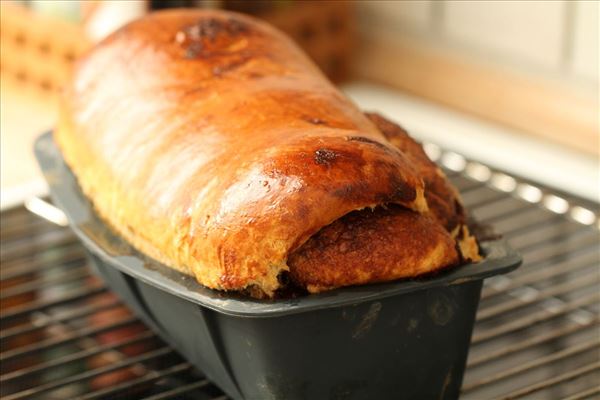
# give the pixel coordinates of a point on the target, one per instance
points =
(65, 335)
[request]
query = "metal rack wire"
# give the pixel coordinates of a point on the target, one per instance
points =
(64, 335)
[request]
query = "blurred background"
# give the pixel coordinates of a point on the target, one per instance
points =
(513, 84)
(503, 94)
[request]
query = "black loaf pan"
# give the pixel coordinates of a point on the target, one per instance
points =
(407, 339)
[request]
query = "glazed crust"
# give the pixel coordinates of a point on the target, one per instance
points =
(211, 143)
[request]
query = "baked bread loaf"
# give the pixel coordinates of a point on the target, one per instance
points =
(211, 143)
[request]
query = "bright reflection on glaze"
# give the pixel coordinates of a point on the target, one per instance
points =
(257, 187)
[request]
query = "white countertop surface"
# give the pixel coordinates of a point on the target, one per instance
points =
(24, 116)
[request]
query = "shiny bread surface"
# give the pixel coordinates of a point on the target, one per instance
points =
(210, 142)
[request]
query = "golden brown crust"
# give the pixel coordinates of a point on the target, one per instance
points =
(372, 246)
(211, 143)
(389, 243)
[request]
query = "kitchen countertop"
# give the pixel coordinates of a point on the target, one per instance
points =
(26, 114)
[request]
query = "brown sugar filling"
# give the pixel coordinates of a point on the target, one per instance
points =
(372, 246)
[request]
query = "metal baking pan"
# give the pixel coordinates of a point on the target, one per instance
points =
(405, 339)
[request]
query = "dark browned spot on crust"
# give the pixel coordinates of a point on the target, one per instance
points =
(399, 192)
(403, 192)
(193, 50)
(197, 39)
(353, 191)
(210, 28)
(344, 192)
(325, 156)
(302, 211)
